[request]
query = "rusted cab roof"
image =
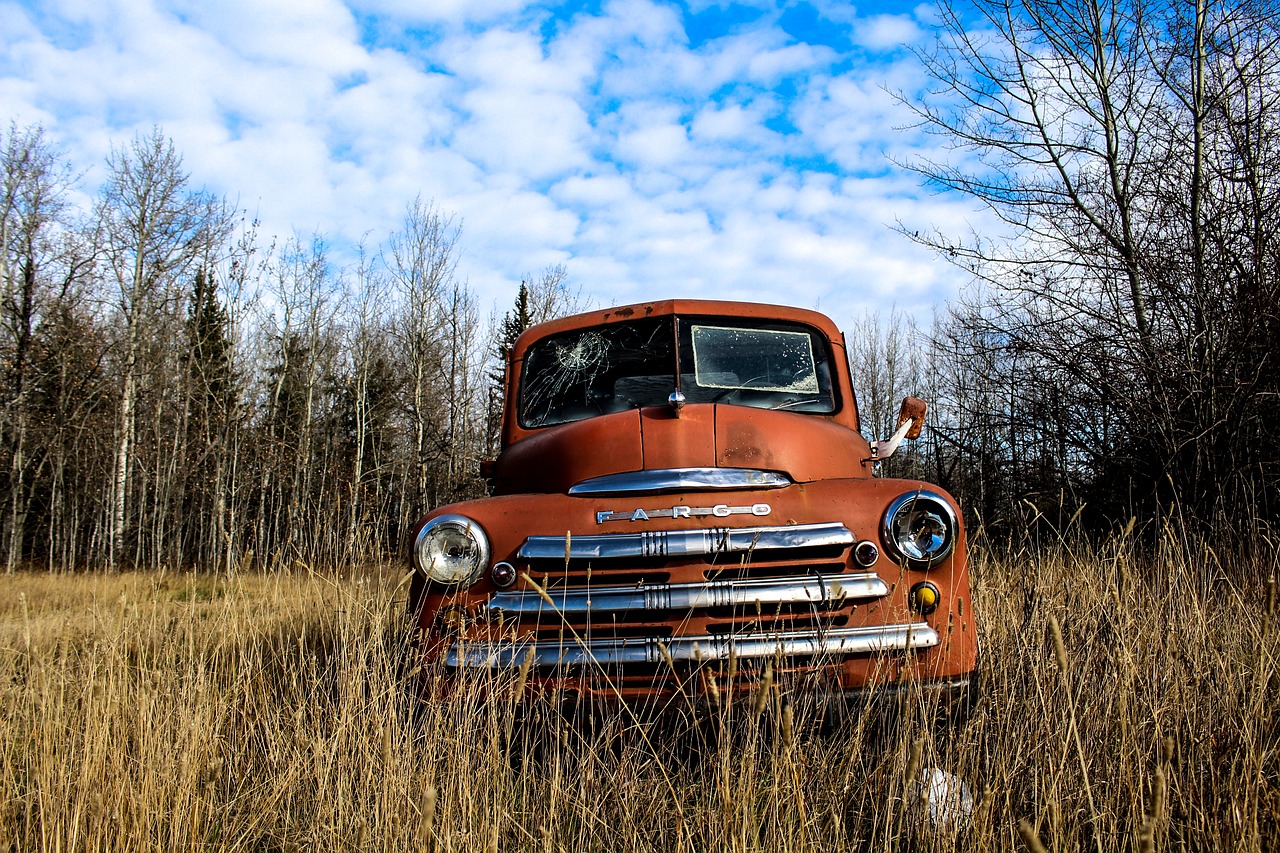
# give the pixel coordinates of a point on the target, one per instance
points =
(667, 307)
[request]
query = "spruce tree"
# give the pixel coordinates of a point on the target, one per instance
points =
(514, 322)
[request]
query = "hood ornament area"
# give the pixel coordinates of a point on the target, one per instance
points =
(676, 401)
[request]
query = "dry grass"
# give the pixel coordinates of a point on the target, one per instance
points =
(171, 712)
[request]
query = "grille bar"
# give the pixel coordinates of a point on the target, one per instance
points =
(680, 543)
(834, 642)
(816, 589)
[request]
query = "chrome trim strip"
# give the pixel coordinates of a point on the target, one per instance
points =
(631, 650)
(680, 479)
(679, 543)
(819, 589)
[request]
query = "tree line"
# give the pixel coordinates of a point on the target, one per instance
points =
(173, 392)
(176, 391)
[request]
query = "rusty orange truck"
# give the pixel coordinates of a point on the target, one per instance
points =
(683, 494)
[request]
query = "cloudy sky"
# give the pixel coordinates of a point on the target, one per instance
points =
(656, 149)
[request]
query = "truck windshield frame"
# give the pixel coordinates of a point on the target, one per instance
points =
(617, 367)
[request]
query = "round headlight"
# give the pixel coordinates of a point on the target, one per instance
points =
(451, 549)
(920, 529)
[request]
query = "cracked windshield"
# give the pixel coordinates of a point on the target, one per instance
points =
(622, 366)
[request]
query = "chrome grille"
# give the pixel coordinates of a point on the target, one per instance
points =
(683, 543)
(638, 599)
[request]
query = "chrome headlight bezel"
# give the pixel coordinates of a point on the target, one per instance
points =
(914, 511)
(451, 550)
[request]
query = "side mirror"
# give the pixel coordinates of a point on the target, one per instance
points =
(910, 420)
(912, 411)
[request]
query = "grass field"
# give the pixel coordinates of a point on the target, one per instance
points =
(1127, 705)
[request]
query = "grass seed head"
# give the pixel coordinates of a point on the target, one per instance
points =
(523, 677)
(428, 810)
(666, 656)
(762, 690)
(1157, 796)
(913, 762)
(1029, 837)
(713, 686)
(1059, 647)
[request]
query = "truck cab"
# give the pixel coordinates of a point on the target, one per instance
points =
(683, 496)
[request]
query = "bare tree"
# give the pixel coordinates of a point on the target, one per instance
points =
(463, 435)
(42, 261)
(885, 357)
(152, 229)
(371, 395)
(221, 380)
(299, 326)
(551, 294)
(1127, 147)
(421, 260)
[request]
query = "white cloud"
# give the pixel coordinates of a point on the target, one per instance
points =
(316, 34)
(654, 146)
(773, 65)
(651, 168)
(857, 123)
(454, 12)
(887, 32)
(650, 25)
(520, 112)
(734, 124)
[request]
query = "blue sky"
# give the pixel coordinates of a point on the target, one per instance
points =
(722, 150)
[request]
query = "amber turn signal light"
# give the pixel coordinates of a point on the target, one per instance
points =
(924, 598)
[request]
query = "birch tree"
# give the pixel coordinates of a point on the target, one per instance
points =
(152, 228)
(421, 259)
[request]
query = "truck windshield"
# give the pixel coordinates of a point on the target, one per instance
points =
(621, 366)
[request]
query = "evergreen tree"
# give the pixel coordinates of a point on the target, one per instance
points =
(210, 404)
(514, 322)
(209, 348)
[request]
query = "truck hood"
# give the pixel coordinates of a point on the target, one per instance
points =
(804, 447)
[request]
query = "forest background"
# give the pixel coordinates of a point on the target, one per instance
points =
(176, 391)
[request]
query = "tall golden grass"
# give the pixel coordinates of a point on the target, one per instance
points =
(1128, 704)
